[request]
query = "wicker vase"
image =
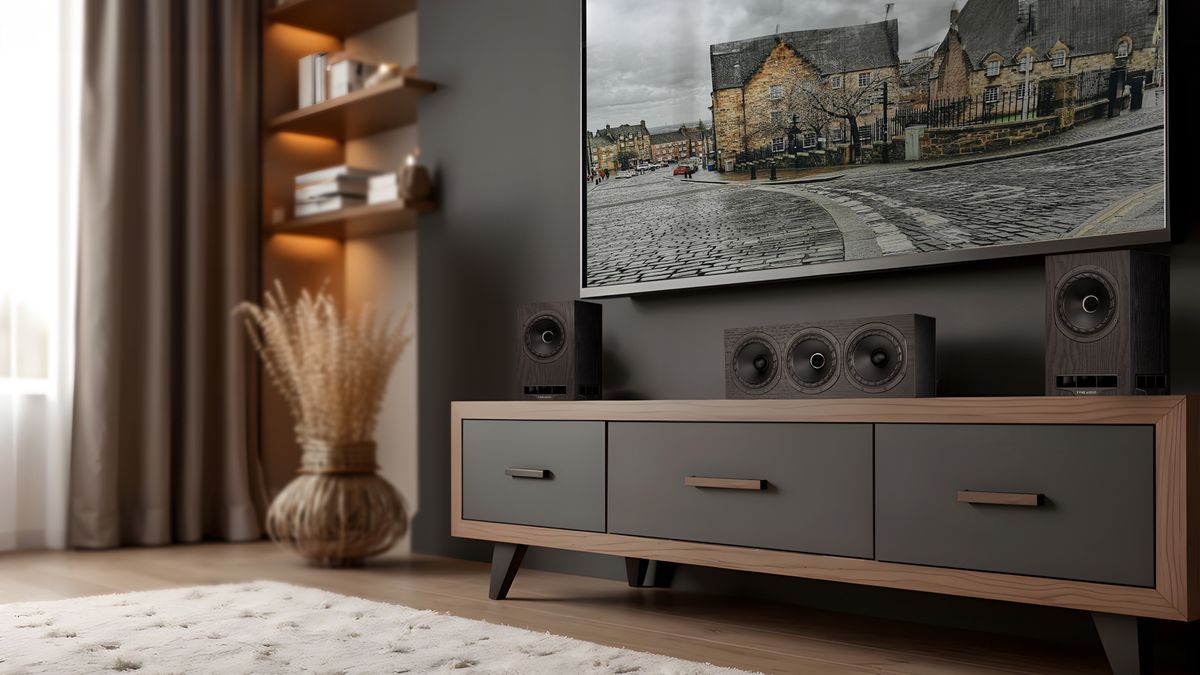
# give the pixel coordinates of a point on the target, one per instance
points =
(338, 511)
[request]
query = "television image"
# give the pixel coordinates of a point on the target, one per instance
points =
(739, 141)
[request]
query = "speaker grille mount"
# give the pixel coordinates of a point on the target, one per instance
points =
(545, 336)
(1086, 304)
(875, 357)
(812, 360)
(755, 363)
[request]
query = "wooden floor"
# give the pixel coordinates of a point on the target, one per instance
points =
(749, 635)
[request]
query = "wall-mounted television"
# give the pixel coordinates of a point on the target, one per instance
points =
(740, 141)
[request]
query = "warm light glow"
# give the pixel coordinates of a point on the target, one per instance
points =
(307, 142)
(303, 246)
(297, 39)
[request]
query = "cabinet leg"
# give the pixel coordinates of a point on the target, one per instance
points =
(637, 571)
(664, 574)
(1128, 643)
(506, 560)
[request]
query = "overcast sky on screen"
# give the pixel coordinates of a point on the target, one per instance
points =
(648, 59)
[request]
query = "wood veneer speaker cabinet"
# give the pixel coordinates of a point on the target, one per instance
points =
(1082, 503)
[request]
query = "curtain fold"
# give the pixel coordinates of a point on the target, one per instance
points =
(165, 442)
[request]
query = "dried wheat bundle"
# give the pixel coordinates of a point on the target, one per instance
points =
(332, 369)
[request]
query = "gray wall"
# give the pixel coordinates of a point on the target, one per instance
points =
(500, 133)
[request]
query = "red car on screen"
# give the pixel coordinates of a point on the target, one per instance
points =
(681, 169)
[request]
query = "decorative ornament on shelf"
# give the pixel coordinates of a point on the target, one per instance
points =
(383, 73)
(332, 368)
(415, 183)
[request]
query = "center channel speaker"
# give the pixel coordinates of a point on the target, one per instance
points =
(881, 356)
(1107, 323)
(559, 351)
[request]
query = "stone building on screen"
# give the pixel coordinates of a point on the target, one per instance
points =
(827, 83)
(990, 44)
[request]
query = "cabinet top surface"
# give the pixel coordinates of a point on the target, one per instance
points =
(1016, 409)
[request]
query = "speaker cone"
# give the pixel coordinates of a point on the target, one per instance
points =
(1086, 304)
(812, 360)
(755, 363)
(545, 336)
(875, 357)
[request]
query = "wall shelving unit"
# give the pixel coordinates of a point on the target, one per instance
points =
(310, 251)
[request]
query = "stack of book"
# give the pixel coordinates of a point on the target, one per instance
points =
(382, 188)
(332, 189)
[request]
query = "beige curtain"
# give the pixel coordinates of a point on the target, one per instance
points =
(165, 427)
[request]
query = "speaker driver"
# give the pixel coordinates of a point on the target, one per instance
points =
(1086, 304)
(545, 336)
(755, 363)
(875, 357)
(812, 360)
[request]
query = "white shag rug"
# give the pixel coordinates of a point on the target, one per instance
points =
(270, 627)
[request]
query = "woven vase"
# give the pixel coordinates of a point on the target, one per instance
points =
(338, 511)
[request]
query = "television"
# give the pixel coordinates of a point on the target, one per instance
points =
(744, 141)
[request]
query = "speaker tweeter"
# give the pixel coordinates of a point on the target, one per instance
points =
(812, 360)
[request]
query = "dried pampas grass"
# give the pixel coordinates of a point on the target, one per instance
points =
(333, 370)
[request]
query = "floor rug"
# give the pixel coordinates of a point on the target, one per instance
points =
(269, 627)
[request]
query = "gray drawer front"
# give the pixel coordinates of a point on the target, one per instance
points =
(817, 500)
(1095, 523)
(570, 497)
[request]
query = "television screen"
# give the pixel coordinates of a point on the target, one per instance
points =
(734, 141)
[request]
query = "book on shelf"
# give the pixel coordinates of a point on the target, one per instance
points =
(354, 186)
(306, 82)
(313, 82)
(382, 188)
(383, 195)
(333, 173)
(382, 180)
(319, 81)
(326, 205)
(347, 75)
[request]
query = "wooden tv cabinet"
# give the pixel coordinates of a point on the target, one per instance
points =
(1089, 503)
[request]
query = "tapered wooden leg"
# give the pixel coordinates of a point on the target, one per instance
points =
(1128, 642)
(506, 560)
(637, 571)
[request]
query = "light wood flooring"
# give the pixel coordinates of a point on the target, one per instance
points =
(753, 636)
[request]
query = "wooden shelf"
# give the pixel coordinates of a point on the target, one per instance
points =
(361, 113)
(358, 221)
(339, 18)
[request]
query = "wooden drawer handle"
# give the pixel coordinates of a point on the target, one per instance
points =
(540, 474)
(1000, 498)
(725, 483)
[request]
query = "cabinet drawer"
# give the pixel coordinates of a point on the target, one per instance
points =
(793, 487)
(1068, 502)
(549, 474)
